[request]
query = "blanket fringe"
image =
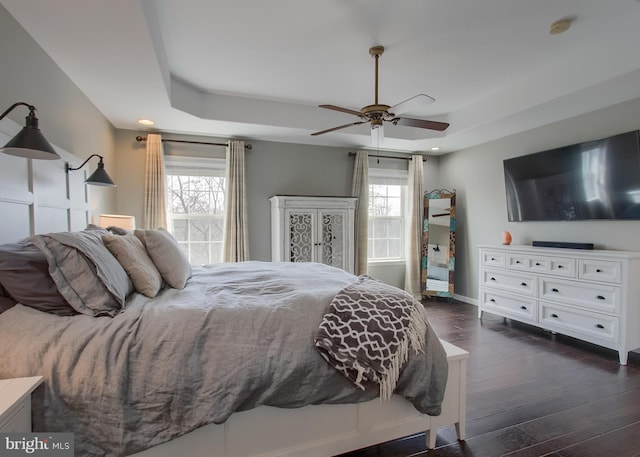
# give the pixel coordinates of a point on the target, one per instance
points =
(413, 339)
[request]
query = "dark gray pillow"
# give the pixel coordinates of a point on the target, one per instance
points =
(24, 274)
(6, 303)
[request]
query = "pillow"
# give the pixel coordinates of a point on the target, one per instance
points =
(87, 275)
(133, 257)
(118, 230)
(169, 259)
(6, 303)
(24, 274)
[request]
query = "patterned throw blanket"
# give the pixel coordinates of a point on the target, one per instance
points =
(368, 331)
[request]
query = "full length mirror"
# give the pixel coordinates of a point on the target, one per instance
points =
(438, 243)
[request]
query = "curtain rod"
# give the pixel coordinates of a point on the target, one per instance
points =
(353, 154)
(140, 138)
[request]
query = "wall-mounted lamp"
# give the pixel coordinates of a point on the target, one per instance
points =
(29, 142)
(98, 177)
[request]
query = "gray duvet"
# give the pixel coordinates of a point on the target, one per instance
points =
(238, 336)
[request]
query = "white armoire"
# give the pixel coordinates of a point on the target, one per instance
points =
(313, 229)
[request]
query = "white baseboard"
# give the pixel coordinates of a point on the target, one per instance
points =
(462, 298)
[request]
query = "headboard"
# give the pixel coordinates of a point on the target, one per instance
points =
(38, 196)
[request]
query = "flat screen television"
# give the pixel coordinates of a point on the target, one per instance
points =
(593, 180)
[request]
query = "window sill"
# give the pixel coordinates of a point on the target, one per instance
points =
(386, 263)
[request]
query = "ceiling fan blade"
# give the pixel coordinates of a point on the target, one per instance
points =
(412, 104)
(338, 128)
(421, 123)
(343, 110)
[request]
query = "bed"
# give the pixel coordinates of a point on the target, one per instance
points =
(122, 380)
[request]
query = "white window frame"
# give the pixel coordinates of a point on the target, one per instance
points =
(391, 177)
(193, 166)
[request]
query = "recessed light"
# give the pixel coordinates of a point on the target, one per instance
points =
(560, 26)
(435, 149)
(145, 121)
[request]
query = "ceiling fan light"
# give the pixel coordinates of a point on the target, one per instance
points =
(377, 133)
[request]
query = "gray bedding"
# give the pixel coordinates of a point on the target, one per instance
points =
(237, 336)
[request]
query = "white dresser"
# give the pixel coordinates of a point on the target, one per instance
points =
(593, 295)
(15, 403)
(313, 229)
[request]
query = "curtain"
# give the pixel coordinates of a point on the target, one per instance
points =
(236, 240)
(360, 189)
(412, 280)
(155, 199)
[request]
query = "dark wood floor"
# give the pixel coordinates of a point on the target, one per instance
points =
(531, 393)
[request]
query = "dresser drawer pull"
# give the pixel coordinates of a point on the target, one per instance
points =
(600, 297)
(554, 290)
(523, 307)
(517, 261)
(599, 326)
(560, 266)
(598, 270)
(524, 284)
(537, 264)
(493, 279)
(493, 300)
(493, 258)
(554, 315)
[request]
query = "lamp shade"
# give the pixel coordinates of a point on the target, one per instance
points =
(117, 220)
(29, 142)
(100, 177)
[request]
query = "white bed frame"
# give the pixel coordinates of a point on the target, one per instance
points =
(325, 430)
(37, 196)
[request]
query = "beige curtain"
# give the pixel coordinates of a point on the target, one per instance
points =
(360, 189)
(155, 198)
(236, 239)
(415, 198)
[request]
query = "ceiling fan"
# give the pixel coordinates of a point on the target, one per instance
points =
(377, 113)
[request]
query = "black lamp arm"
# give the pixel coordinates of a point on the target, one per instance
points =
(32, 109)
(68, 168)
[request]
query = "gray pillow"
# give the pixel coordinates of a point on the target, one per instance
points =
(24, 274)
(6, 303)
(87, 275)
(133, 257)
(169, 259)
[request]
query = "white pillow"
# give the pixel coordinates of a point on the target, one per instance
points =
(169, 259)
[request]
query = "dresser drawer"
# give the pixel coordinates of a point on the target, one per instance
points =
(557, 266)
(519, 283)
(521, 308)
(492, 258)
(600, 270)
(597, 297)
(579, 323)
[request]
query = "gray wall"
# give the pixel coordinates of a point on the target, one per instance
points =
(67, 118)
(477, 174)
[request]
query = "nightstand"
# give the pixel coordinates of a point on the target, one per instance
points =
(15, 403)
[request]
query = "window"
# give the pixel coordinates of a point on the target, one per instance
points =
(195, 209)
(387, 209)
